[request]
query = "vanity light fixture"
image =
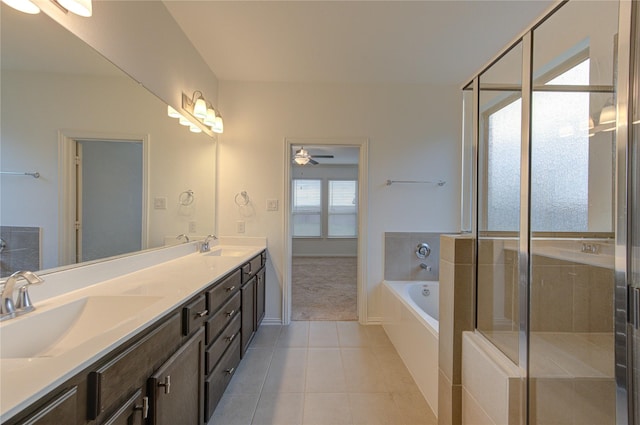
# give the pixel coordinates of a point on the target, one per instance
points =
(79, 7)
(25, 6)
(200, 109)
(172, 112)
(195, 129)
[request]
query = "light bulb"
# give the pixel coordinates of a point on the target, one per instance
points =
(210, 119)
(25, 6)
(172, 112)
(200, 109)
(195, 129)
(218, 127)
(183, 120)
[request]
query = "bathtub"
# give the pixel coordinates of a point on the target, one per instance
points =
(410, 319)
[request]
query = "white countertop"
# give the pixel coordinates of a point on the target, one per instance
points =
(171, 282)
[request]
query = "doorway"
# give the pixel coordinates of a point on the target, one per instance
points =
(325, 185)
(103, 196)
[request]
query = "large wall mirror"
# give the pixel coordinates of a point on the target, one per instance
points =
(141, 179)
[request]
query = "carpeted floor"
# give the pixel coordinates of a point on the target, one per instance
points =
(324, 288)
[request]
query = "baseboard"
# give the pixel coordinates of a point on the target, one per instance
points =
(374, 321)
(269, 321)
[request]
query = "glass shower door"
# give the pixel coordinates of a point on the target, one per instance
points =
(572, 279)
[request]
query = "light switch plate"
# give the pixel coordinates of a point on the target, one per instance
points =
(160, 203)
(240, 226)
(192, 227)
(272, 205)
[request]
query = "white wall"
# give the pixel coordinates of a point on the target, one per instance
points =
(413, 132)
(179, 160)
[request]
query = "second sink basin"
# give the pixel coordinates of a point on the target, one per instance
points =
(53, 332)
(228, 252)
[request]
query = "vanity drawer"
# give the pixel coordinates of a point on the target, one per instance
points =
(251, 268)
(194, 314)
(129, 370)
(217, 382)
(222, 317)
(226, 338)
(223, 290)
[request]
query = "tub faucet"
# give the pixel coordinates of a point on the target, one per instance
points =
(423, 266)
(206, 244)
(9, 308)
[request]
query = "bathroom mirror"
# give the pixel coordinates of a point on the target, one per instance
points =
(61, 98)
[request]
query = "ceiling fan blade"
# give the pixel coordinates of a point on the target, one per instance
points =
(322, 156)
(313, 162)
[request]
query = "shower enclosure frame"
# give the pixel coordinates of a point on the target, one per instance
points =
(624, 309)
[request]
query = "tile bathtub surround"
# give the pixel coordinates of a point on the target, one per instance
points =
(22, 250)
(400, 261)
(322, 373)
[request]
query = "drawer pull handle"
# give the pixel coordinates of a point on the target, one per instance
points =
(230, 313)
(144, 408)
(230, 338)
(230, 371)
(231, 288)
(202, 313)
(166, 384)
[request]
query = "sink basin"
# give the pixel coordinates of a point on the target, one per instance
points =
(228, 252)
(53, 332)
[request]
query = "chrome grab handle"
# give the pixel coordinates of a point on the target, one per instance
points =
(230, 313)
(144, 408)
(230, 371)
(202, 313)
(231, 288)
(166, 384)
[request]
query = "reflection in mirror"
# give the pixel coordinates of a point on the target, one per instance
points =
(61, 99)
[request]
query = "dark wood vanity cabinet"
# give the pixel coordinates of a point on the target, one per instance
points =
(62, 409)
(175, 390)
(175, 372)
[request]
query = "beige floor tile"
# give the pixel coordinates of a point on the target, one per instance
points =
(377, 336)
(326, 409)
(235, 409)
(374, 409)
(352, 334)
(325, 373)
(287, 371)
(397, 377)
(323, 334)
(266, 336)
(414, 409)
(362, 371)
(294, 335)
(251, 372)
(279, 409)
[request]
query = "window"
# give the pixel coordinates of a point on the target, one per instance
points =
(343, 208)
(307, 208)
(320, 204)
(559, 127)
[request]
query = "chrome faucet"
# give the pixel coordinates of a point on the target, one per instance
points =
(206, 244)
(183, 236)
(9, 308)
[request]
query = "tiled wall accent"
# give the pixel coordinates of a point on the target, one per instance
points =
(400, 261)
(492, 384)
(456, 315)
(22, 250)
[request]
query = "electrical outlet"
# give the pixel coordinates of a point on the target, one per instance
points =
(192, 227)
(160, 203)
(240, 226)
(272, 205)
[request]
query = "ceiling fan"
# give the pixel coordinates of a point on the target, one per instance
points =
(302, 157)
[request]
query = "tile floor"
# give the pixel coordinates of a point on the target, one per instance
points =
(322, 373)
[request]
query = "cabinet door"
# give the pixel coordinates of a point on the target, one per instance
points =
(133, 412)
(61, 410)
(248, 313)
(176, 389)
(260, 297)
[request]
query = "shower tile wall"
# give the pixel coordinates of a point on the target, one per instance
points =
(400, 261)
(22, 250)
